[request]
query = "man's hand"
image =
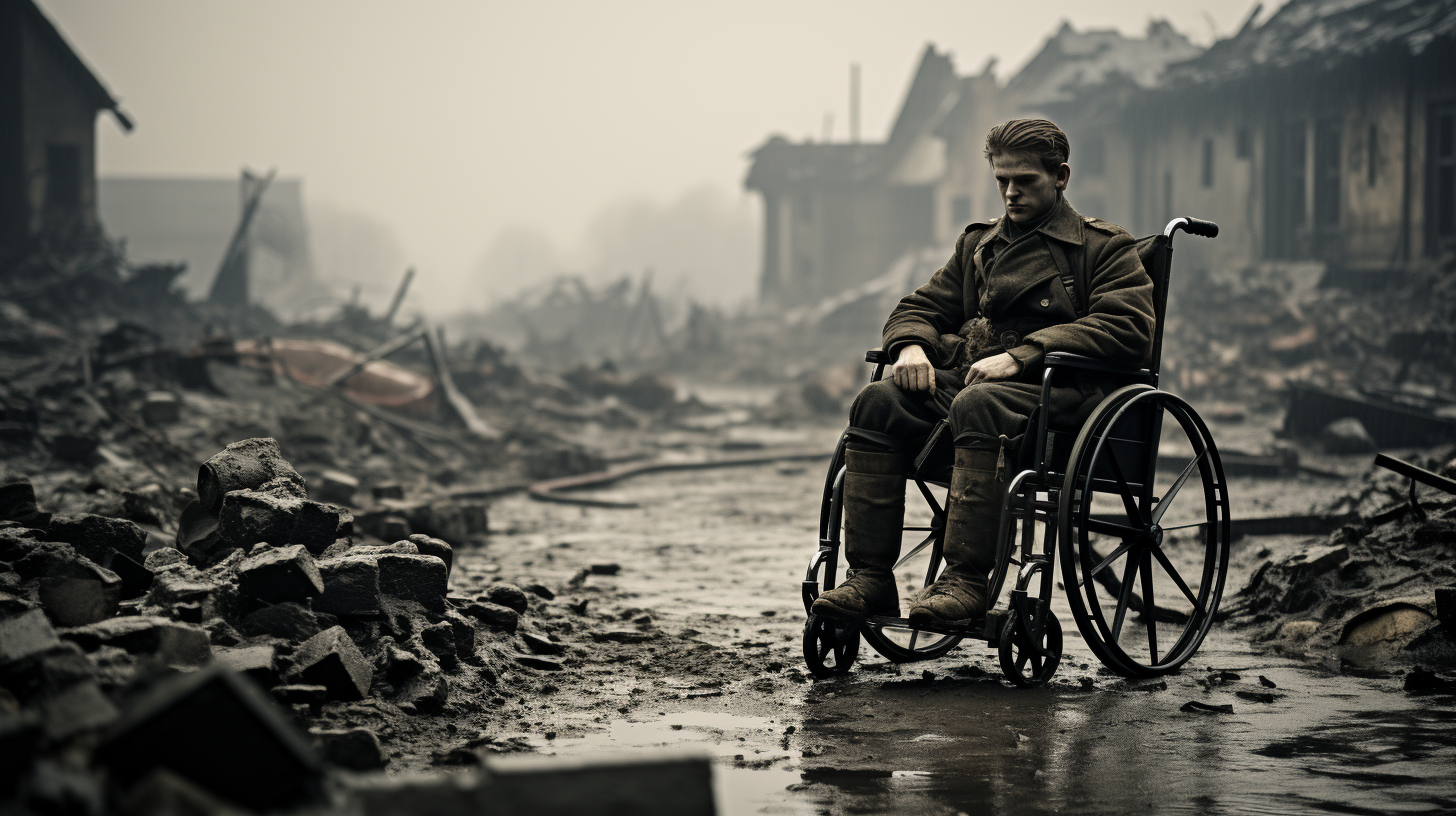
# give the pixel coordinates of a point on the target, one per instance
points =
(912, 370)
(1001, 367)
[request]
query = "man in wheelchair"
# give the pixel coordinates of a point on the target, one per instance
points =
(968, 346)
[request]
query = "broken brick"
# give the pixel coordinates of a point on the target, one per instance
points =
(351, 587)
(280, 574)
(97, 536)
(332, 660)
(419, 578)
(263, 764)
(175, 644)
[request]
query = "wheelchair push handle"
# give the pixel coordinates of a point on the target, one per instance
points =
(1192, 226)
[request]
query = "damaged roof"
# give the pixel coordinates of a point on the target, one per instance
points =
(92, 85)
(778, 160)
(1322, 31)
(1072, 60)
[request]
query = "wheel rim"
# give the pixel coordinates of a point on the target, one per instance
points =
(830, 646)
(1025, 663)
(1144, 577)
(904, 644)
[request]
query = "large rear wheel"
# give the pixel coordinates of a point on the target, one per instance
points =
(1144, 531)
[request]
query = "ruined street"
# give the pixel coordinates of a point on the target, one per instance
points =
(707, 568)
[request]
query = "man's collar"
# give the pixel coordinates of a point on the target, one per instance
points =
(1065, 225)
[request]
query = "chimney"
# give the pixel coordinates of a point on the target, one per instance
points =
(854, 103)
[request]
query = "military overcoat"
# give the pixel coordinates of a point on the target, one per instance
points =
(1017, 285)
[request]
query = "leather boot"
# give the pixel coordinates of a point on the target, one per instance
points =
(874, 520)
(973, 515)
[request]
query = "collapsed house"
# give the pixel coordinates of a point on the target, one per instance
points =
(48, 105)
(1321, 134)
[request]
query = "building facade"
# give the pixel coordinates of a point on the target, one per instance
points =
(48, 105)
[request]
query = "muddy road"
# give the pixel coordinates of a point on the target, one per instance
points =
(681, 625)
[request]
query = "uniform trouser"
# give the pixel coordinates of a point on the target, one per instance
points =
(886, 418)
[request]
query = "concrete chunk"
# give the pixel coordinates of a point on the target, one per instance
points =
(351, 587)
(96, 537)
(280, 574)
(179, 645)
(257, 662)
(357, 749)
(289, 620)
(247, 465)
(331, 659)
(418, 578)
(24, 635)
(494, 615)
(335, 486)
(217, 730)
(74, 591)
(78, 708)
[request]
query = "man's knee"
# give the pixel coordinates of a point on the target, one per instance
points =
(875, 406)
(987, 409)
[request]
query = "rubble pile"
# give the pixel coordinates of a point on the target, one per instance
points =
(1241, 338)
(1375, 592)
(123, 655)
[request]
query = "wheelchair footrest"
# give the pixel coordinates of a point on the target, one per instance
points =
(970, 630)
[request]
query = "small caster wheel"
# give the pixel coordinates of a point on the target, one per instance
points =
(1028, 661)
(830, 645)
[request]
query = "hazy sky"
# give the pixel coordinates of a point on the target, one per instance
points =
(452, 120)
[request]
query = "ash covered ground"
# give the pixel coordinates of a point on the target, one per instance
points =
(409, 585)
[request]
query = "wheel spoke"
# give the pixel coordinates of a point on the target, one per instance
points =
(1167, 500)
(1146, 568)
(1036, 662)
(1128, 501)
(1177, 579)
(916, 551)
(824, 649)
(914, 636)
(1107, 562)
(1187, 526)
(1097, 525)
(1123, 598)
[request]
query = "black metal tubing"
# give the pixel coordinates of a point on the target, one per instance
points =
(1414, 473)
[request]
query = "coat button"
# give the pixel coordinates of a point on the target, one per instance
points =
(1045, 302)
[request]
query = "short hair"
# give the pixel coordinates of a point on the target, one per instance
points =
(1039, 137)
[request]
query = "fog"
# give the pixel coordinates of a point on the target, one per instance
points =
(488, 144)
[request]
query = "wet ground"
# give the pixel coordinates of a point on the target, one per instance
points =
(709, 571)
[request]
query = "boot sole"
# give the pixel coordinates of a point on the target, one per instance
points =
(823, 607)
(919, 618)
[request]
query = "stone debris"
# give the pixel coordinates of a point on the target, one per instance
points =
(1369, 594)
(177, 595)
(277, 574)
(330, 659)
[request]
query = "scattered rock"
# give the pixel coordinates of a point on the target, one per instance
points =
(330, 659)
(1347, 436)
(508, 595)
(357, 749)
(280, 574)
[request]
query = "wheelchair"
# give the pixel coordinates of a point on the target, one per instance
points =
(1132, 506)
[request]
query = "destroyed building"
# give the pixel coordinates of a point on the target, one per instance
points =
(838, 215)
(1322, 134)
(48, 105)
(190, 221)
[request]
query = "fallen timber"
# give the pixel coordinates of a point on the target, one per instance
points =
(551, 490)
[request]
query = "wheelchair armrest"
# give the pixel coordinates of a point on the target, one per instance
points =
(879, 356)
(1062, 358)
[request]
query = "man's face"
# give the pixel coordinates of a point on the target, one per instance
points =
(1027, 189)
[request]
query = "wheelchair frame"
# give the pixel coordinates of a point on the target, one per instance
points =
(1114, 453)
